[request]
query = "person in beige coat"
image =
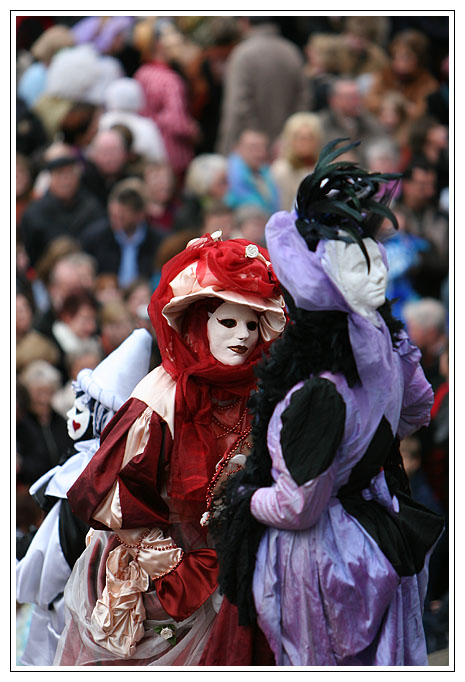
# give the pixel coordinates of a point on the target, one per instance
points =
(264, 84)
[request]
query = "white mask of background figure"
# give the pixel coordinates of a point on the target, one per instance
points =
(232, 333)
(364, 291)
(78, 418)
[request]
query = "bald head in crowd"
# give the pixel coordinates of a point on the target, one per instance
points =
(346, 98)
(426, 324)
(71, 273)
(109, 152)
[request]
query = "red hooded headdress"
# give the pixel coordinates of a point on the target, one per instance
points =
(236, 271)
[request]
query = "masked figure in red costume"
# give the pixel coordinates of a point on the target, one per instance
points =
(144, 592)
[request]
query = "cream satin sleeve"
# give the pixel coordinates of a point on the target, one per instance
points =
(109, 510)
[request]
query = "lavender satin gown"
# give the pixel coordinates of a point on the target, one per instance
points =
(325, 592)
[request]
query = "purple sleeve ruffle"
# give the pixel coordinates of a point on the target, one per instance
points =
(289, 506)
(418, 395)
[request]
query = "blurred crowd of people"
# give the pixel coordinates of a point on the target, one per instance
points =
(136, 134)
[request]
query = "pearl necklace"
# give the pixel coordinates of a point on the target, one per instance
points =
(229, 429)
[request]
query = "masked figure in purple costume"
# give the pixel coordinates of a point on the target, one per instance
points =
(319, 539)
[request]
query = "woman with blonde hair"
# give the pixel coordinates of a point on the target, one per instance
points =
(300, 145)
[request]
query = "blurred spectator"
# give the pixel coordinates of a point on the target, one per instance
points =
(32, 82)
(437, 104)
(123, 243)
(433, 480)
(434, 621)
(249, 175)
(178, 48)
(436, 618)
(264, 84)
(75, 325)
(24, 182)
(23, 281)
(299, 147)
(426, 326)
(115, 325)
(324, 61)
(407, 73)
(142, 37)
(430, 139)
(28, 29)
(58, 248)
(410, 450)
(299, 28)
(347, 117)
(124, 99)
(438, 456)
(362, 55)
(106, 288)
(74, 271)
(110, 36)
(66, 207)
(393, 116)
(418, 204)
(250, 222)
(109, 70)
(205, 74)
(206, 177)
(30, 344)
(162, 200)
(107, 160)
(404, 252)
(137, 297)
(42, 436)
(170, 246)
(206, 182)
(135, 162)
(70, 274)
(384, 156)
(79, 127)
(31, 136)
(219, 216)
(88, 355)
(77, 74)
(374, 28)
(167, 105)
(24, 316)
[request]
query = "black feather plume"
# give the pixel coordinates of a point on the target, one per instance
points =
(342, 196)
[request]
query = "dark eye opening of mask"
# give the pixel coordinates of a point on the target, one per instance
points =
(228, 322)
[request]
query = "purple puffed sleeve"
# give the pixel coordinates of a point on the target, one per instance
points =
(289, 506)
(418, 395)
(416, 406)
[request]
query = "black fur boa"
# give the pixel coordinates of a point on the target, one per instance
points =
(312, 343)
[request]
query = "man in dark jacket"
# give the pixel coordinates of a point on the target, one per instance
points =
(65, 209)
(123, 243)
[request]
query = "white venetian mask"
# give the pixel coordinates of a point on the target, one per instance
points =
(78, 418)
(346, 265)
(232, 333)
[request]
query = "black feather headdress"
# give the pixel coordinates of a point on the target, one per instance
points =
(341, 196)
